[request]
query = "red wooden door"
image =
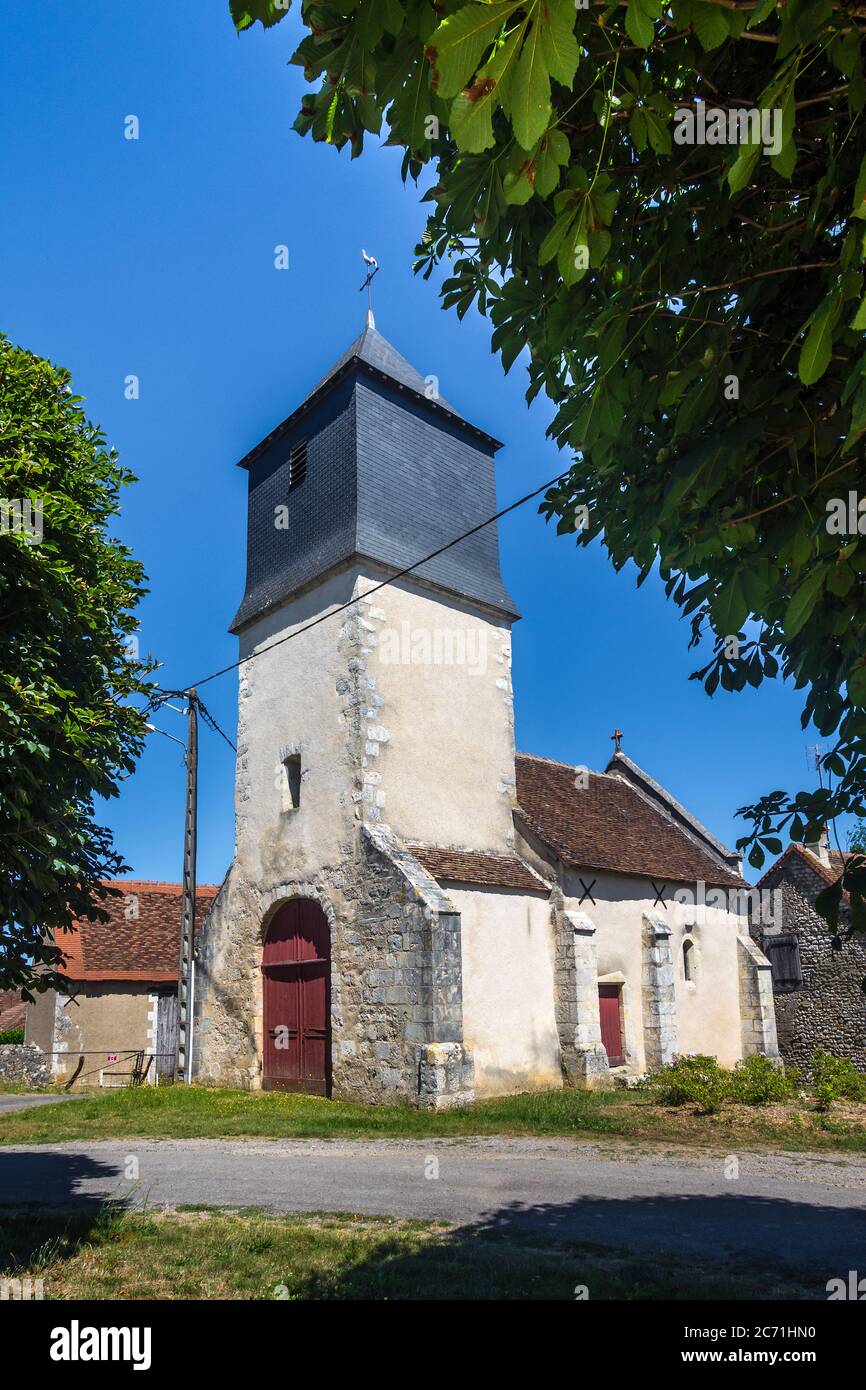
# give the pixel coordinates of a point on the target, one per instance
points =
(296, 968)
(610, 1014)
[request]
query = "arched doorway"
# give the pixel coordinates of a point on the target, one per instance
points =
(296, 986)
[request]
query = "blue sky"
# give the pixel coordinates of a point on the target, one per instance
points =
(156, 257)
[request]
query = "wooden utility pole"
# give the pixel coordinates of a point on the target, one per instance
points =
(186, 980)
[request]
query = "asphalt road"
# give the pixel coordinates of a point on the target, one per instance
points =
(801, 1211)
(24, 1102)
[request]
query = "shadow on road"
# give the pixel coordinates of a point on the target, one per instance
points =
(669, 1247)
(51, 1215)
(728, 1224)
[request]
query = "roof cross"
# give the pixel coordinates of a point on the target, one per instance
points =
(617, 737)
(372, 267)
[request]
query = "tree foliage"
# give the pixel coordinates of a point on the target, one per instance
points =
(857, 838)
(67, 731)
(694, 310)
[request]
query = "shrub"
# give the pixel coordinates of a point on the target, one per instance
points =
(12, 1035)
(691, 1078)
(756, 1081)
(835, 1078)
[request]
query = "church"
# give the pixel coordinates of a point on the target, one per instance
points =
(416, 913)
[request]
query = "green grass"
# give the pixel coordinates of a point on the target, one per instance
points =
(183, 1112)
(211, 1254)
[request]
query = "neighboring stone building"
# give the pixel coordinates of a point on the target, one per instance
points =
(122, 989)
(818, 994)
(413, 914)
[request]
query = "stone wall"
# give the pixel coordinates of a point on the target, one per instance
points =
(395, 937)
(757, 1014)
(23, 1064)
(828, 1010)
(584, 1059)
(396, 988)
(659, 994)
(399, 965)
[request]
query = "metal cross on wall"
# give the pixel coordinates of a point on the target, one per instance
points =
(659, 892)
(587, 892)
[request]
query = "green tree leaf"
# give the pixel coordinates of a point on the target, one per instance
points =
(530, 100)
(266, 12)
(458, 45)
(742, 168)
(472, 111)
(730, 608)
(639, 24)
(817, 349)
(803, 602)
(638, 130)
(559, 44)
(857, 685)
(710, 24)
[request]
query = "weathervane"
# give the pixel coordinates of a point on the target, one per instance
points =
(372, 267)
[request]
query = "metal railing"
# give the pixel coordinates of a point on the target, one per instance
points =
(132, 1067)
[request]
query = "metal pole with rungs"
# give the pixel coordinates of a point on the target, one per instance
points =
(187, 918)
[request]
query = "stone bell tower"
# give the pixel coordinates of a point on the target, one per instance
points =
(370, 719)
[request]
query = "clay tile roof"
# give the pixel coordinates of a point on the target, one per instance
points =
(611, 825)
(12, 1008)
(489, 870)
(141, 939)
(839, 858)
(828, 872)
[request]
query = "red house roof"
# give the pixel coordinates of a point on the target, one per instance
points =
(141, 939)
(12, 1008)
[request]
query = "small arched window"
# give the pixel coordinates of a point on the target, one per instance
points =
(689, 961)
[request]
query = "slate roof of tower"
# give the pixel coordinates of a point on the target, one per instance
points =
(374, 350)
(610, 824)
(143, 946)
(392, 476)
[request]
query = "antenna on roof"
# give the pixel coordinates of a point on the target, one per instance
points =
(372, 267)
(814, 754)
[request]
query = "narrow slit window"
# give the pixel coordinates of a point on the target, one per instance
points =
(292, 782)
(689, 961)
(297, 464)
